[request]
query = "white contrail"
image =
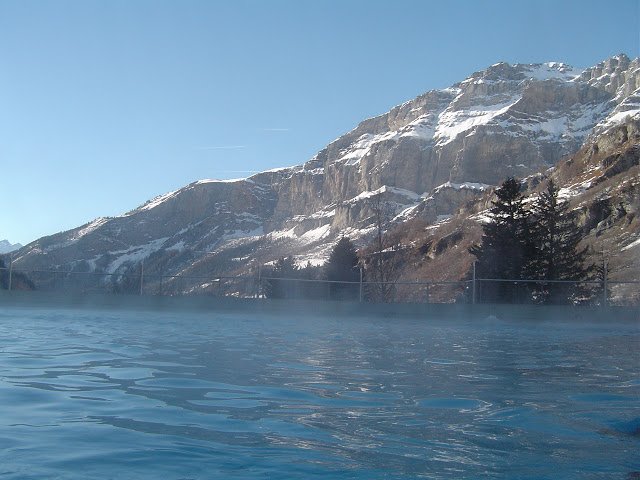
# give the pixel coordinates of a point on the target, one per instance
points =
(222, 147)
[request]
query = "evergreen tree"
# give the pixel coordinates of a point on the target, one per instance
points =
(342, 266)
(598, 293)
(278, 286)
(505, 246)
(556, 255)
(312, 287)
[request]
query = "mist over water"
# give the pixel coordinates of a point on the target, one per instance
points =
(147, 395)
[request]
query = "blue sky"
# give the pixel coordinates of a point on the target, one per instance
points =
(106, 104)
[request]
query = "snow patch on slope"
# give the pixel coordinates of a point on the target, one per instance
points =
(361, 147)
(629, 108)
(556, 125)
(454, 122)
(574, 190)
(406, 213)
(134, 254)
(465, 185)
(384, 189)
(281, 234)
(423, 127)
(552, 70)
(316, 234)
(179, 247)
(160, 199)
(241, 234)
(632, 245)
(88, 228)
(230, 180)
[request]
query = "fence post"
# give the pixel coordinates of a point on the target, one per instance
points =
(473, 288)
(10, 270)
(605, 298)
(360, 283)
(141, 275)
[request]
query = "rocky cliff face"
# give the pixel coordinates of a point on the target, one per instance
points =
(602, 183)
(506, 120)
(426, 158)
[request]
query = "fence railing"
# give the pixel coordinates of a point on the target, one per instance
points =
(474, 290)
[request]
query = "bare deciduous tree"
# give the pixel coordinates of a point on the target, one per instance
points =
(381, 260)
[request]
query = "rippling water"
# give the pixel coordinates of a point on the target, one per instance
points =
(104, 394)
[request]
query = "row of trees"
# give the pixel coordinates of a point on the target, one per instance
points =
(529, 252)
(338, 279)
(536, 240)
(376, 266)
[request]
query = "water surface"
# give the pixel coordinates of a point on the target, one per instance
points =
(148, 395)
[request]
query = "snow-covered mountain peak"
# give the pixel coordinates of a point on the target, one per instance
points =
(550, 107)
(613, 73)
(551, 70)
(7, 247)
(508, 73)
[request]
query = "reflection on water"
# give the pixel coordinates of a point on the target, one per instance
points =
(154, 395)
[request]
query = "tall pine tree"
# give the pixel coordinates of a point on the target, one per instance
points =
(505, 244)
(556, 254)
(342, 266)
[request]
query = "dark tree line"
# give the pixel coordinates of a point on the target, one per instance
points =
(340, 278)
(538, 242)
(336, 280)
(286, 280)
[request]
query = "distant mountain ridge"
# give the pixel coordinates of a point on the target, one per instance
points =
(427, 158)
(7, 247)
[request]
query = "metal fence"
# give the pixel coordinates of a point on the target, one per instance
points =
(474, 290)
(520, 291)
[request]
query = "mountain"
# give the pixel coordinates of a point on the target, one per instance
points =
(429, 159)
(601, 182)
(7, 247)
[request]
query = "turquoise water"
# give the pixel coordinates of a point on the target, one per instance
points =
(148, 395)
